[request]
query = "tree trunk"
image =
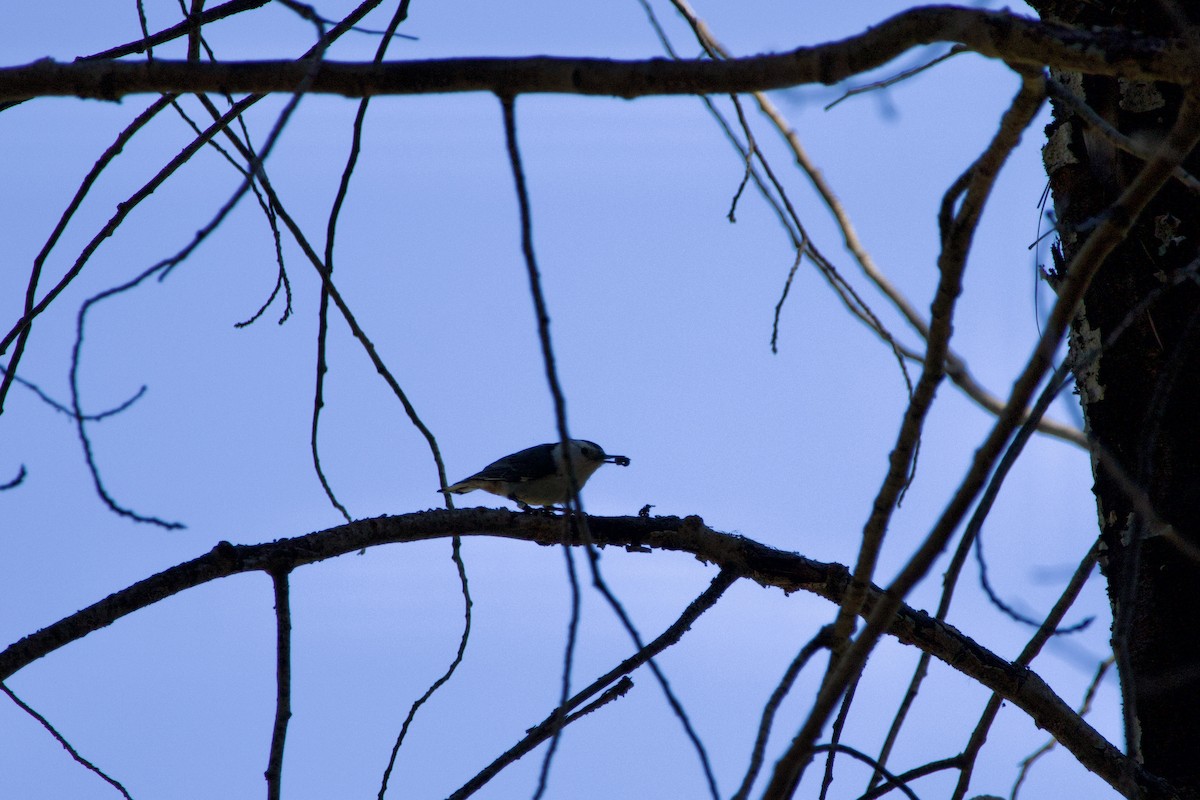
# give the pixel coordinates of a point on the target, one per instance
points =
(1139, 395)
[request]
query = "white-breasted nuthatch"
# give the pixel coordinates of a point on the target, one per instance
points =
(537, 476)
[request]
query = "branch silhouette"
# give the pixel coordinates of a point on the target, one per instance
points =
(1012, 38)
(743, 557)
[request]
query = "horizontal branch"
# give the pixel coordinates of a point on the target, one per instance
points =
(744, 557)
(995, 34)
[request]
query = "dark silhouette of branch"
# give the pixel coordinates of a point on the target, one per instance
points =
(958, 221)
(456, 556)
(892, 781)
(63, 741)
(1006, 609)
(192, 23)
(779, 199)
(1135, 492)
(22, 473)
(996, 34)
(1090, 695)
(897, 78)
(1113, 228)
(576, 518)
(744, 557)
(1043, 634)
(125, 207)
(811, 648)
(164, 267)
(63, 409)
(283, 683)
(570, 711)
(22, 329)
(910, 775)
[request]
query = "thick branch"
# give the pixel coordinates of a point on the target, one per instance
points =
(764, 565)
(1001, 35)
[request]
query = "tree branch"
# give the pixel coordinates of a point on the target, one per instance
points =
(995, 34)
(743, 557)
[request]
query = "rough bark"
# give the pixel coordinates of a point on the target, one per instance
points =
(1139, 394)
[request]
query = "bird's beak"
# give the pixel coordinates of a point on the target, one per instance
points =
(622, 460)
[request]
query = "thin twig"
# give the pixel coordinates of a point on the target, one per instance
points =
(1048, 628)
(893, 781)
(897, 78)
(335, 211)
(835, 739)
(566, 713)
(818, 642)
(1084, 708)
(162, 269)
(58, 737)
(21, 330)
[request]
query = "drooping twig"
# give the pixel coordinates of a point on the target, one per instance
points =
(283, 683)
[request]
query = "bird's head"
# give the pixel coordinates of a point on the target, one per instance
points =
(590, 451)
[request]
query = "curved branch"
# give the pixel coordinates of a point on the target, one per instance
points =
(995, 34)
(744, 557)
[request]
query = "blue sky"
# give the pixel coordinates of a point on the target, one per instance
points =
(661, 317)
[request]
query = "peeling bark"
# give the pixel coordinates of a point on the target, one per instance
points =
(1139, 394)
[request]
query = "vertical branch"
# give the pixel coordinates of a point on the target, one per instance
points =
(330, 236)
(1079, 361)
(574, 504)
(283, 682)
(456, 556)
(576, 518)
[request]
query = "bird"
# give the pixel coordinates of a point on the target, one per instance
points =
(537, 476)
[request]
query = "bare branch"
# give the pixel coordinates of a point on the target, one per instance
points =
(815, 644)
(58, 737)
(570, 711)
(283, 682)
(1115, 225)
(744, 557)
(184, 28)
(958, 229)
(996, 34)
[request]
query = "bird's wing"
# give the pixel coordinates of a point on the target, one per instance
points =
(535, 460)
